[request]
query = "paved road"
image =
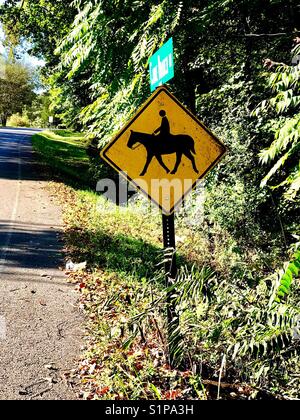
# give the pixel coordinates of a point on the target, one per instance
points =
(39, 322)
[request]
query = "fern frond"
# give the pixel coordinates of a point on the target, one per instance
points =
(294, 184)
(287, 277)
(273, 332)
(287, 137)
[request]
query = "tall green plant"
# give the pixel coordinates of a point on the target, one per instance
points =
(284, 82)
(284, 151)
(116, 41)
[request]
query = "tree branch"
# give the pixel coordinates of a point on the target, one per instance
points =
(279, 34)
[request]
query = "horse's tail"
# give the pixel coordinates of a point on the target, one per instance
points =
(192, 145)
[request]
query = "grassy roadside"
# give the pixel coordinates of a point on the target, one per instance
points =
(65, 152)
(122, 293)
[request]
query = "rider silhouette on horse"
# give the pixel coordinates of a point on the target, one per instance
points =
(181, 144)
(164, 131)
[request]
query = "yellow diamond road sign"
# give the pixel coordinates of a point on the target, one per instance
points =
(164, 151)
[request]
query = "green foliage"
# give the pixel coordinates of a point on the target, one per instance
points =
(287, 277)
(117, 47)
(39, 111)
(41, 22)
(97, 56)
(125, 302)
(106, 54)
(285, 83)
(18, 120)
(126, 305)
(65, 152)
(34, 115)
(241, 323)
(16, 88)
(44, 24)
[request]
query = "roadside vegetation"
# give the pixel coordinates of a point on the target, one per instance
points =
(65, 152)
(238, 70)
(23, 99)
(234, 340)
(17, 84)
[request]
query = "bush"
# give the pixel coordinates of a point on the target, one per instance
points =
(18, 120)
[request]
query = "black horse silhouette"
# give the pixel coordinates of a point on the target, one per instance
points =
(180, 144)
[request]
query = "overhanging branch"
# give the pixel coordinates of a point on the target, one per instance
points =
(279, 34)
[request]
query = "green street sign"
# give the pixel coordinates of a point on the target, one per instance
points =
(162, 65)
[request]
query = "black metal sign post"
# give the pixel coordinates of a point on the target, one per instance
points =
(171, 274)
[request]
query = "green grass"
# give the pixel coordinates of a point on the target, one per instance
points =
(65, 152)
(123, 251)
(124, 298)
(116, 241)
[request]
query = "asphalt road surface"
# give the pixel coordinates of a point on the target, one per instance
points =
(40, 326)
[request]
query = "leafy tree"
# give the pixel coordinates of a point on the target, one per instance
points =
(284, 107)
(99, 76)
(16, 89)
(39, 112)
(219, 49)
(42, 23)
(285, 83)
(97, 55)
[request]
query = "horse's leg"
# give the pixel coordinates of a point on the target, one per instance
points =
(159, 158)
(149, 160)
(190, 156)
(178, 162)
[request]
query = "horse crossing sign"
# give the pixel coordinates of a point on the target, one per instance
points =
(164, 151)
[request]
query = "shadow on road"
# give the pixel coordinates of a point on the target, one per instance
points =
(30, 247)
(23, 244)
(14, 144)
